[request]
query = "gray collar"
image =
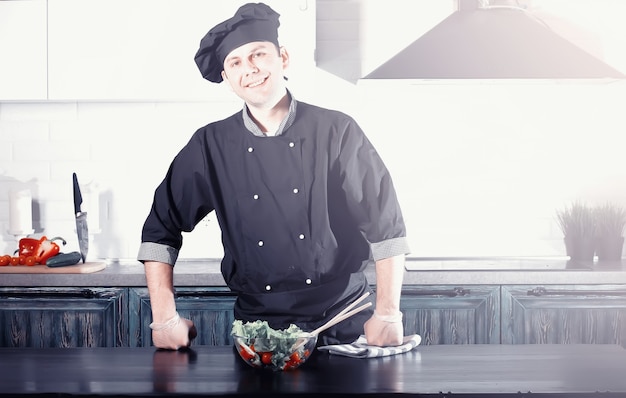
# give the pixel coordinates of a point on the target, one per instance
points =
(284, 125)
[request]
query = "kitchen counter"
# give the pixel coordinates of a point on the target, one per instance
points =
(457, 271)
(563, 370)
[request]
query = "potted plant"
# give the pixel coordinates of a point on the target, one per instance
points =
(577, 222)
(610, 226)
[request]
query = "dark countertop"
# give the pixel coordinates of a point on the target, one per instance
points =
(457, 271)
(566, 370)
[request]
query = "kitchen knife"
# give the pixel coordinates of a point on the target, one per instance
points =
(81, 221)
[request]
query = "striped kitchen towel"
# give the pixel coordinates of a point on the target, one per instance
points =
(360, 348)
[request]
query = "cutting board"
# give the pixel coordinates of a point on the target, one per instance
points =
(79, 268)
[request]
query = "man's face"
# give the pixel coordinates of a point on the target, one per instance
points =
(255, 72)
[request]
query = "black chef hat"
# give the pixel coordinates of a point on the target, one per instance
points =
(251, 22)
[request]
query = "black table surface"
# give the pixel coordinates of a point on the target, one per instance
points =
(429, 370)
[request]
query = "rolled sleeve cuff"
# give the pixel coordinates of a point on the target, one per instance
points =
(390, 248)
(150, 251)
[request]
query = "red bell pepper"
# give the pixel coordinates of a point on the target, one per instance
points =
(27, 246)
(42, 249)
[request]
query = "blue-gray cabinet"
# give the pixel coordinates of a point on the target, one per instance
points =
(63, 317)
(440, 314)
(452, 314)
(211, 310)
(474, 314)
(564, 314)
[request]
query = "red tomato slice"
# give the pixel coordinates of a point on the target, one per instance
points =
(246, 355)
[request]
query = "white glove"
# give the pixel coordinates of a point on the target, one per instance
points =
(384, 330)
(174, 334)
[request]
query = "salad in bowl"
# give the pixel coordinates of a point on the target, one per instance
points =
(260, 346)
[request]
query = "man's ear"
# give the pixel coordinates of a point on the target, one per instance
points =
(285, 57)
(225, 78)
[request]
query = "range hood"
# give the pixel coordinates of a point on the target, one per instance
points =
(493, 42)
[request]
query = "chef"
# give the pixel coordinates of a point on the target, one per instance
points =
(303, 200)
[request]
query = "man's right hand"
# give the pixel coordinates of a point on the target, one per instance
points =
(175, 334)
(169, 331)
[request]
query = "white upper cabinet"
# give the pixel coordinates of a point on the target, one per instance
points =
(23, 50)
(144, 49)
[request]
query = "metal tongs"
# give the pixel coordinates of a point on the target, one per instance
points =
(341, 316)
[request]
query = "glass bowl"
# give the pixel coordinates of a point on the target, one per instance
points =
(275, 353)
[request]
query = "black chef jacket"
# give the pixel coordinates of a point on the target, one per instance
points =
(301, 215)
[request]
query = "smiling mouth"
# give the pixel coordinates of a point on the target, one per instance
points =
(257, 83)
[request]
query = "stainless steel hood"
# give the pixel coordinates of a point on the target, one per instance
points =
(493, 43)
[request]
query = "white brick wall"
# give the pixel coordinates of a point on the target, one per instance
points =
(474, 164)
(124, 148)
(480, 167)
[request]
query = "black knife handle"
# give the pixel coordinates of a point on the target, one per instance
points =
(63, 259)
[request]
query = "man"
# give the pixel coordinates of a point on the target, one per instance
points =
(301, 196)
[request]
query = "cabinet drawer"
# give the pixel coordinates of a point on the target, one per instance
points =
(63, 317)
(564, 314)
(210, 309)
(452, 315)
